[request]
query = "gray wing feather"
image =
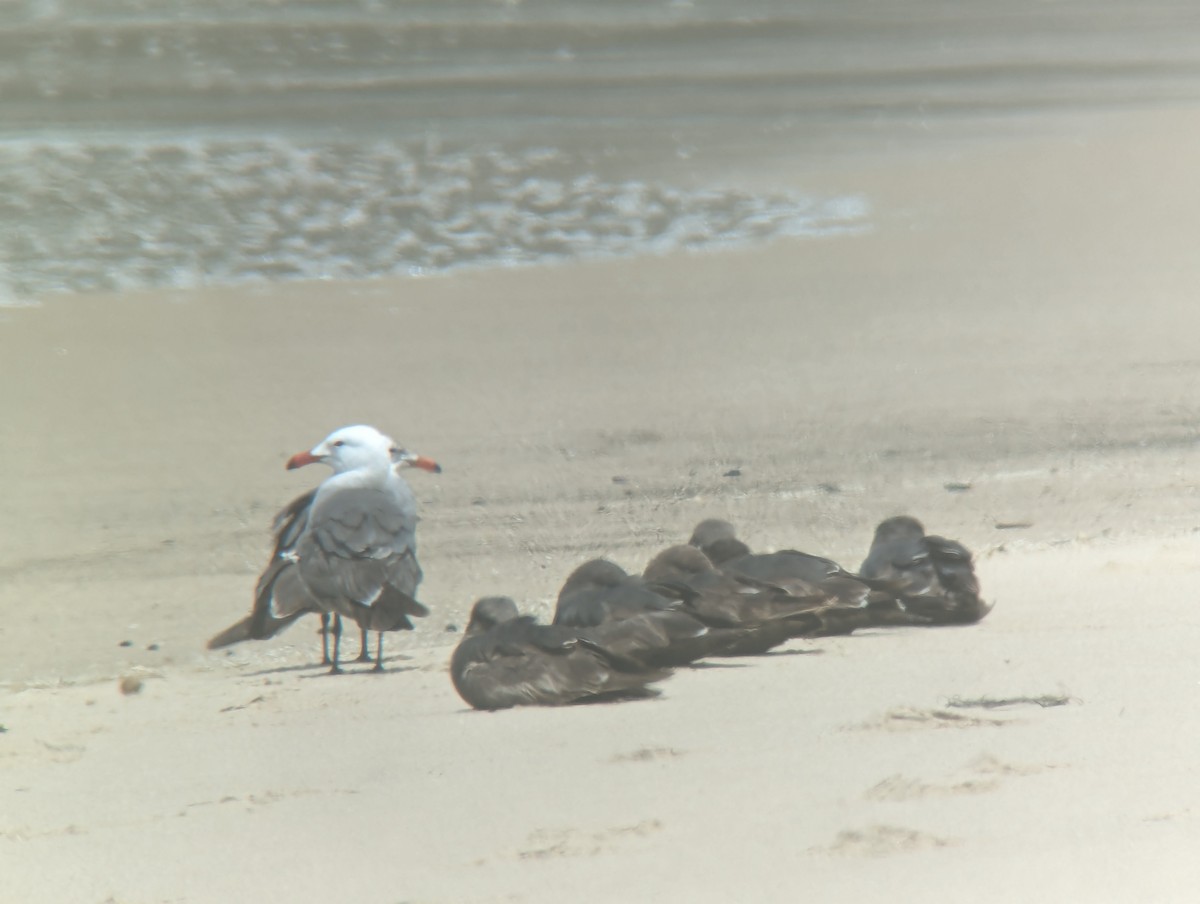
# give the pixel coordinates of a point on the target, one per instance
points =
(358, 558)
(362, 523)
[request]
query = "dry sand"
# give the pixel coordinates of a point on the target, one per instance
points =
(1022, 320)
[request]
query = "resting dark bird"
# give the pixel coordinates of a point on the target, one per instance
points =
(656, 628)
(788, 570)
(717, 539)
(773, 614)
(346, 549)
(861, 601)
(506, 659)
(599, 591)
(934, 577)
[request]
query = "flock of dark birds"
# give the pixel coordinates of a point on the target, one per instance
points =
(347, 550)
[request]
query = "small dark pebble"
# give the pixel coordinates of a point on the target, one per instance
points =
(3, 729)
(829, 488)
(451, 629)
(125, 643)
(733, 472)
(152, 647)
(478, 500)
(1013, 525)
(620, 480)
(953, 487)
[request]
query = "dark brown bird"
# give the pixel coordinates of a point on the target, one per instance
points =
(599, 591)
(506, 659)
(794, 572)
(788, 570)
(862, 601)
(717, 539)
(772, 613)
(933, 577)
(654, 628)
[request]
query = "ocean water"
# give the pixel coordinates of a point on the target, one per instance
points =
(182, 143)
(180, 213)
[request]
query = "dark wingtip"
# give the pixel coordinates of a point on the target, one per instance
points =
(235, 633)
(415, 608)
(981, 610)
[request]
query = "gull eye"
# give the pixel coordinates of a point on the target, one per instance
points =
(340, 442)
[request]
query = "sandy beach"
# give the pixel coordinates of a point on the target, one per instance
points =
(1020, 324)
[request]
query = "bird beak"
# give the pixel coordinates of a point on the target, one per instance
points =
(300, 459)
(408, 459)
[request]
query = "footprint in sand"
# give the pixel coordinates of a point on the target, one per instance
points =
(262, 799)
(647, 755)
(1045, 701)
(545, 843)
(986, 764)
(982, 775)
(62, 753)
(24, 833)
(901, 788)
(883, 840)
(907, 718)
(912, 718)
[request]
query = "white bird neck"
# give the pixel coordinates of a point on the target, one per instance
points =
(364, 476)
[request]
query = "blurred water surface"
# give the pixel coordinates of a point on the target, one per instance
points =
(149, 143)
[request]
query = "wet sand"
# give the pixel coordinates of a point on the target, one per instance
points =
(1021, 321)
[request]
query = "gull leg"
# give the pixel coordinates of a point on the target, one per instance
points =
(364, 653)
(334, 668)
(378, 652)
(325, 638)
